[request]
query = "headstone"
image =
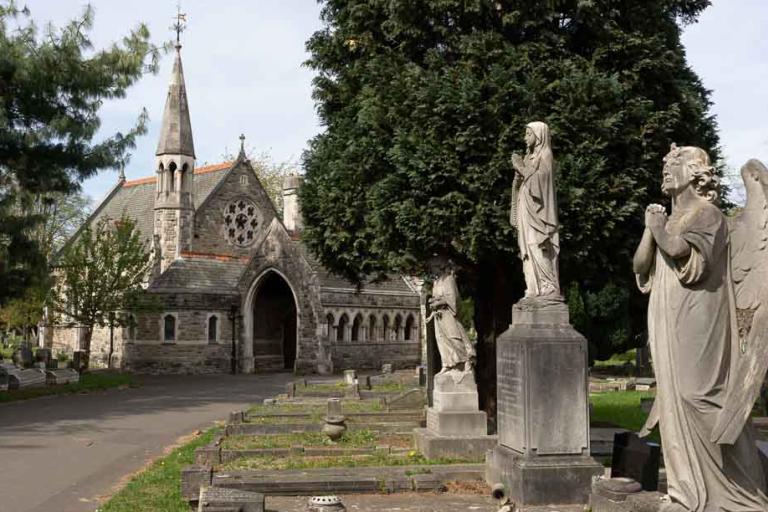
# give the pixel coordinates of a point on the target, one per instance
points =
(290, 389)
(78, 360)
(43, 355)
(28, 378)
(350, 376)
(386, 368)
(62, 376)
(221, 498)
(645, 384)
(543, 455)
(421, 373)
(637, 459)
(368, 383)
(269, 401)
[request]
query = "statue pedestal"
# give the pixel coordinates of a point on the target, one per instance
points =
(543, 454)
(455, 425)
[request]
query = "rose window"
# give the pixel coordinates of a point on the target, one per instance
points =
(240, 221)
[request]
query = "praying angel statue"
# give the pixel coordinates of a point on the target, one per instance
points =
(705, 278)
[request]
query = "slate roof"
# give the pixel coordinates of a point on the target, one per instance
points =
(395, 283)
(136, 198)
(202, 275)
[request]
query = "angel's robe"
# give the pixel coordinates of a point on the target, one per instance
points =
(692, 333)
(453, 343)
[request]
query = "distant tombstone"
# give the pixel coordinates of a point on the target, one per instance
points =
(350, 376)
(645, 384)
(62, 376)
(637, 459)
(78, 359)
(368, 383)
(386, 368)
(290, 389)
(421, 373)
(43, 355)
(29, 378)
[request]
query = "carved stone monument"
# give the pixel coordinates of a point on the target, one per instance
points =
(542, 456)
(456, 427)
(708, 375)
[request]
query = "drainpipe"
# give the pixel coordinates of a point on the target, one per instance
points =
(233, 318)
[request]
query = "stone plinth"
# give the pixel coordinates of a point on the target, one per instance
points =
(543, 452)
(623, 495)
(455, 425)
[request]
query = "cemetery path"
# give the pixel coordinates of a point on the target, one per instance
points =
(63, 453)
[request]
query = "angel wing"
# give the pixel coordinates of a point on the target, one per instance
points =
(749, 263)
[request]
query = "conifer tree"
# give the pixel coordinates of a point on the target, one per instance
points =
(52, 85)
(423, 104)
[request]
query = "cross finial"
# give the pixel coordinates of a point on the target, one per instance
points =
(179, 25)
(242, 147)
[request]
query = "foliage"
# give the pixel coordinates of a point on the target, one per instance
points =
(158, 487)
(362, 438)
(603, 316)
(270, 174)
(90, 381)
(52, 85)
(424, 102)
(101, 274)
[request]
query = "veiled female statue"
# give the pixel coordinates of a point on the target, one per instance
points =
(683, 262)
(456, 349)
(534, 213)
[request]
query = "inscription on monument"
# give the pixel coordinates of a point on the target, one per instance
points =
(511, 398)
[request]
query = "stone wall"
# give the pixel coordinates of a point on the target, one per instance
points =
(67, 339)
(177, 359)
(240, 183)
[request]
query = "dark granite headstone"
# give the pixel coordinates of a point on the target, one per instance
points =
(637, 459)
(78, 360)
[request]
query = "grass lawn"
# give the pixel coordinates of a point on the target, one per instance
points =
(351, 439)
(91, 381)
(620, 409)
(347, 406)
(158, 488)
(412, 458)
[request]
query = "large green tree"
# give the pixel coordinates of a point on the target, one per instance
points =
(100, 275)
(423, 104)
(52, 85)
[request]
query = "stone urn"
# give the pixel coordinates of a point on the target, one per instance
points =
(334, 427)
(325, 504)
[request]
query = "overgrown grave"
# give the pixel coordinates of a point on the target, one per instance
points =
(279, 447)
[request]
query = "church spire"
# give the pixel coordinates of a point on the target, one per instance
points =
(176, 130)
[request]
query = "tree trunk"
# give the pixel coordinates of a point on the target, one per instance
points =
(496, 288)
(86, 346)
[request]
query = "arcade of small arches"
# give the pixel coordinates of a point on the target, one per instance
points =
(401, 326)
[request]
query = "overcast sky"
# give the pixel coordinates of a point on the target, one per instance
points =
(244, 74)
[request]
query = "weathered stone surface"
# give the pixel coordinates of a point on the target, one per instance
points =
(457, 423)
(192, 479)
(542, 480)
(219, 497)
(451, 394)
(622, 495)
(29, 378)
(543, 456)
(62, 376)
(434, 446)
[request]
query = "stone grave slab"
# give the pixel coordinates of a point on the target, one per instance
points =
(212, 498)
(62, 376)
(30, 378)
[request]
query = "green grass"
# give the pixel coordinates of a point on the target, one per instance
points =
(91, 381)
(158, 487)
(388, 387)
(413, 458)
(619, 359)
(363, 438)
(620, 409)
(318, 410)
(321, 388)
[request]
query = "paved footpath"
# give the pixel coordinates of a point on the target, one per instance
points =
(61, 454)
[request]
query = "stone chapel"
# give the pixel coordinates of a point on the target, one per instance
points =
(229, 271)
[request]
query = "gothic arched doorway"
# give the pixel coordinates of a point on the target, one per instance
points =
(273, 325)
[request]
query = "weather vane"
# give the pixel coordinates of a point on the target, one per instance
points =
(179, 25)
